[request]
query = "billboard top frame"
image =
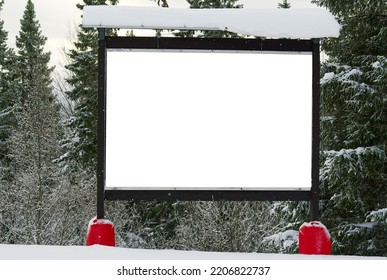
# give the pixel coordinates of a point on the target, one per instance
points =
(215, 44)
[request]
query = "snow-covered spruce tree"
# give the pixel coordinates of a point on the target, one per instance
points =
(35, 144)
(210, 4)
(6, 116)
(213, 4)
(30, 198)
(8, 91)
(353, 165)
(354, 129)
(83, 81)
(162, 3)
(284, 5)
(39, 204)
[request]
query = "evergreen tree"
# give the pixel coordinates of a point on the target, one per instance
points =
(31, 196)
(35, 145)
(354, 128)
(32, 59)
(6, 115)
(83, 68)
(162, 3)
(213, 4)
(3, 35)
(284, 5)
(7, 94)
(210, 4)
(41, 204)
(353, 157)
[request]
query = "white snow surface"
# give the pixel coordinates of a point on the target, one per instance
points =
(269, 23)
(97, 252)
(327, 77)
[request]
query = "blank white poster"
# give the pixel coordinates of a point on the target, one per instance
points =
(208, 120)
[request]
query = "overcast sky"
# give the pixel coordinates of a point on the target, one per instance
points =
(59, 17)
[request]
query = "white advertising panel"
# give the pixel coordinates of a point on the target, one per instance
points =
(208, 120)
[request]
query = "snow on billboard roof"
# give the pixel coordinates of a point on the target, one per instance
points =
(269, 23)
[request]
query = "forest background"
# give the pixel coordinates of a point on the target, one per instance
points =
(48, 149)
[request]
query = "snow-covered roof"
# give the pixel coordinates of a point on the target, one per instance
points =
(269, 23)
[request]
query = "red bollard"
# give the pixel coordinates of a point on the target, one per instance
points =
(314, 239)
(100, 232)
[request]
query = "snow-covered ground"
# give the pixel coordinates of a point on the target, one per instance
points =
(100, 262)
(97, 252)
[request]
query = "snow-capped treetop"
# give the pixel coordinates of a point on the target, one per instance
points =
(269, 23)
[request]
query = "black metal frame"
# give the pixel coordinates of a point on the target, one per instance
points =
(275, 45)
(101, 129)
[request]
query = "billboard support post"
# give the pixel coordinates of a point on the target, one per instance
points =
(315, 191)
(101, 138)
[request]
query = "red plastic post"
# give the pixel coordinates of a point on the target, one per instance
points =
(314, 239)
(100, 232)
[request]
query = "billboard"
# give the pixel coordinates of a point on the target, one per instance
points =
(188, 119)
